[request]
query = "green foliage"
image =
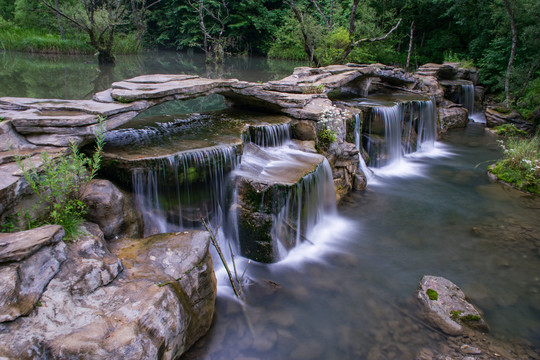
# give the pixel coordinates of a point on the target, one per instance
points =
(40, 41)
(509, 130)
(313, 89)
(325, 132)
(521, 163)
(432, 294)
(60, 182)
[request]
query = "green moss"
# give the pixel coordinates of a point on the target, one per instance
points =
(432, 294)
(470, 317)
(509, 130)
(455, 314)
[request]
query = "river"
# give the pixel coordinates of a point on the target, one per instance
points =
(350, 293)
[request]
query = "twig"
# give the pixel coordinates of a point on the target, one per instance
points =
(220, 253)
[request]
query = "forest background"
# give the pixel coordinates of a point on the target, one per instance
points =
(499, 37)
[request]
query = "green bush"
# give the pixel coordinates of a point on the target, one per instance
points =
(60, 183)
(521, 163)
(509, 130)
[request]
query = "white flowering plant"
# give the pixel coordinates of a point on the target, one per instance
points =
(521, 163)
(326, 125)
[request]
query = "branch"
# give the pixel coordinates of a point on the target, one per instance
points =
(314, 2)
(70, 19)
(356, 43)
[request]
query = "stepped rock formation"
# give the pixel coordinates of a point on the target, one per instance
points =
(142, 299)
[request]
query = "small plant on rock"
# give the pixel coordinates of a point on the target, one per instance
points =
(325, 134)
(60, 182)
(521, 163)
(432, 294)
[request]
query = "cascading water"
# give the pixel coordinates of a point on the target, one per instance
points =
(403, 128)
(301, 207)
(270, 135)
(467, 97)
(283, 193)
(180, 189)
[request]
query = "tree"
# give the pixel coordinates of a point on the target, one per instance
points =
(99, 19)
(331, 31)
(510, 10)
(213, 16)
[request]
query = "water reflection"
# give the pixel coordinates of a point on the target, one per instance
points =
(79, 76)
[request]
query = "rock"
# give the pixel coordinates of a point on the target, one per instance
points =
(470, 350)
(446, 307)
(10, 139)
(453, 116)
(28, 261)
(498, 115)
(111, 209)
(534, 118)
(360, 181)
(269, 183)
(441, 71)
(94, 310)
(304, 130)
(479, 95)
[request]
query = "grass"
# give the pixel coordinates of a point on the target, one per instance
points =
(38, 41)
(520, 165)
(13, 38)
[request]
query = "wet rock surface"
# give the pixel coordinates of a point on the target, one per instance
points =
(446, 306)
(104, 304)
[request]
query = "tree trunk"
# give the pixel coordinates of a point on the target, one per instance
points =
(410, 45)
(512, 52)
(60, 26)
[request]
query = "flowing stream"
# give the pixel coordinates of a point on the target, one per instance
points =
(348, 292)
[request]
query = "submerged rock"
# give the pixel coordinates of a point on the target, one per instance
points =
(97, 308)
(446, 307)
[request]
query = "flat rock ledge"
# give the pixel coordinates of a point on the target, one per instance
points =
(446, 307)
(146, 298)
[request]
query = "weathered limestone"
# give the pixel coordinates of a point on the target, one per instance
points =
(97, 308)
(446, 306)
(28, 261)
(496, 115)
(111, 209)
(452, 116)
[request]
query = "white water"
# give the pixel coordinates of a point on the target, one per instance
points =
(182, 188)
(467, 98)
(270, 135)
(409, 127)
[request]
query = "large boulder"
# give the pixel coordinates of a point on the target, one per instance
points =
(147, 299)
(498, 115)
(452, 116)
(111, 209)
(28, 262)
(446, 307)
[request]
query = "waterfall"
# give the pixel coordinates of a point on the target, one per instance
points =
(270, 135)
(281, 194)
(299, 208)
(179, 189)
(467, 97)
(358, 142)
(392, 131)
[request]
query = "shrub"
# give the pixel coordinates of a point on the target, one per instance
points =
(60, 182)
(509, 130)
(521, 163)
